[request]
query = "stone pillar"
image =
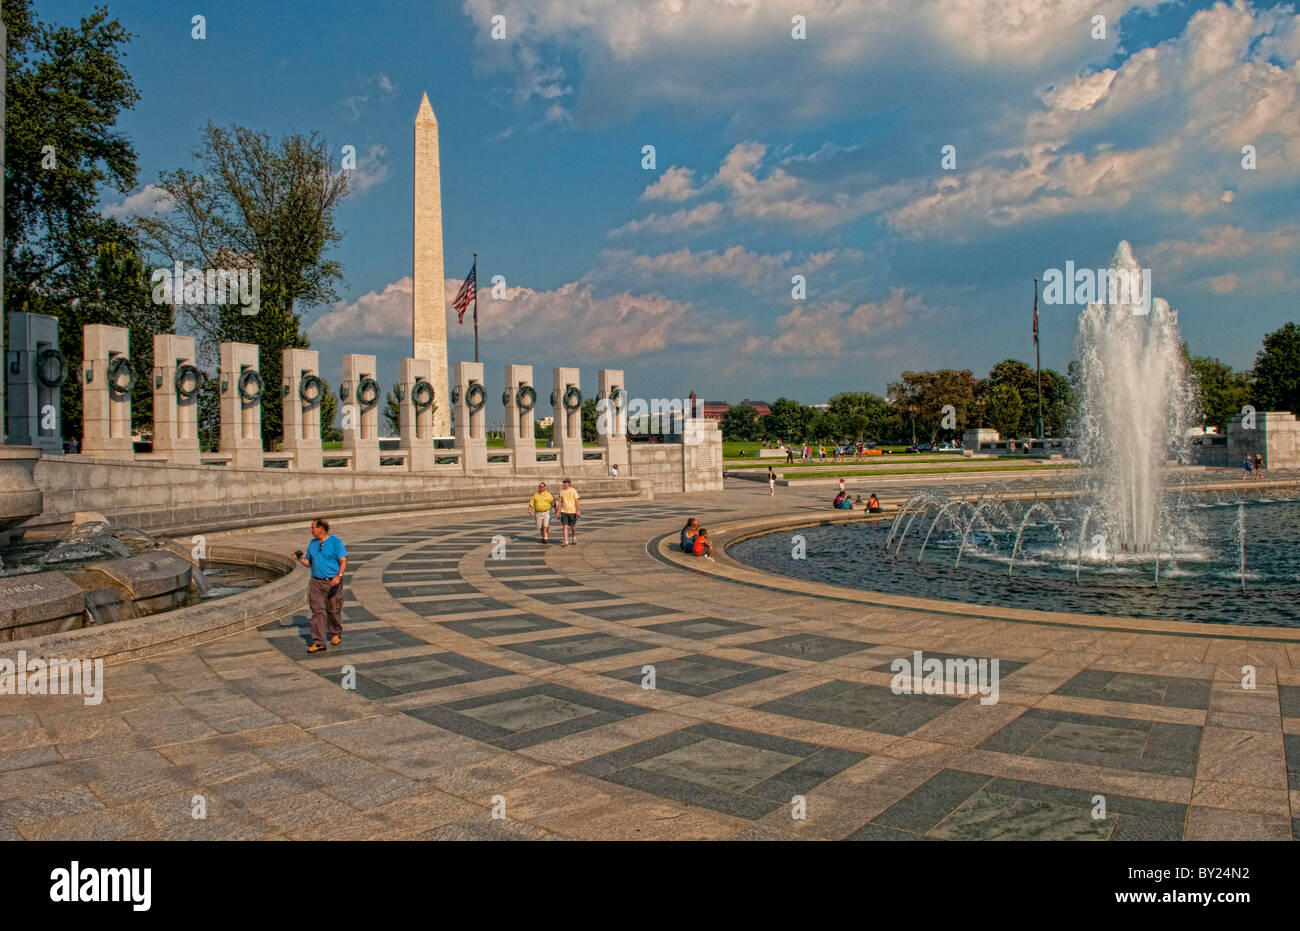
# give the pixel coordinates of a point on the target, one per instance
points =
(428, 302)
(566, 434)
(415, 417)
(106, 393)
(361, 397)
(241, 418)
(175, 417)
(611, 418)
(36, 373)
(521, 438)
(471, 428)
(302, 417)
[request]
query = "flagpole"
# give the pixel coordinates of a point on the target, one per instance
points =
(1037, 369)
(476, 313)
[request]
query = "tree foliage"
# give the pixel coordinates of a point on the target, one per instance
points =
(1277, 371)
(255, 203)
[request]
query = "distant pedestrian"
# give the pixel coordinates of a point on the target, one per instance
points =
(689, 532)
(327, 558)
(613, 471)
(1259, 466)
(570, 511)
(540, 506)
(841, 485)
(771, 482)
(789, 455)
(1246, 466)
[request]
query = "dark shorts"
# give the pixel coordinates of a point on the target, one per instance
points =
(568, 520)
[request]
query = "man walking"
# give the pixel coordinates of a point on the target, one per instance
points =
(570, 511)
(327, 558)
(540, 505)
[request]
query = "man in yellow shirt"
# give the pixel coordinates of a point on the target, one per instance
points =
(540, 505)
(569, 511)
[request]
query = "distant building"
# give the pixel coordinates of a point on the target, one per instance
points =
(545, 422)
(714, 410)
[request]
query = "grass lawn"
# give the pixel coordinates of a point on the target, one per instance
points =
(867, 473)
(731, 449)
(874, 461)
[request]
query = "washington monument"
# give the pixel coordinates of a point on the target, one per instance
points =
(429, 313)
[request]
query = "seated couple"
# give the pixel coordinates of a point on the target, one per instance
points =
(842, 502)
(695, 540)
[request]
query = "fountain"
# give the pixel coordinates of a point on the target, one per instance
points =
(1131, 535)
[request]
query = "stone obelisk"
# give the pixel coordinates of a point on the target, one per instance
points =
(429, 312)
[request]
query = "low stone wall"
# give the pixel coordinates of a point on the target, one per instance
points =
(681, 467)
(159, 497)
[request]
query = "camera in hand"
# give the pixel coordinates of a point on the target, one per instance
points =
(298, 553)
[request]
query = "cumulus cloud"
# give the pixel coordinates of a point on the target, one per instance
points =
(149, 201)
(371, 321)
(691, 219)
(675, 184)
(757, 272)
(837, 329)
(371, 171)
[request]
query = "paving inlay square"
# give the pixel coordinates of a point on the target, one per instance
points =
(369, 640)
(864, 707)
(1135, 688)
(733, 771)
(578, 648)
(481, 628)
(697, 675)
(1122, 743)
(957, 805)
(573, 597)
(456, 606)
(526, 717)
(701, 628)
(417, 674)
(1288, 697)
(1291, 744)
(808, 646)
(720, 764)
(622, 612)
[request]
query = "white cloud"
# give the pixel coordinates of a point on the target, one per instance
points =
(837, 328)
(675, 184)
(757, 272)
(371, 321)
(149, 201)
(692, 219)
(371, 171)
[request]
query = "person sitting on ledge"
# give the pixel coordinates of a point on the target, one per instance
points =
(702, 545)
(689, 532)
(873, 504)
(842, 502)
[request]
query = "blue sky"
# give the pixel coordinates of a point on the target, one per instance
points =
(775, 157)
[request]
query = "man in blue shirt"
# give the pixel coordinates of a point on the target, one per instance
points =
(327, 558)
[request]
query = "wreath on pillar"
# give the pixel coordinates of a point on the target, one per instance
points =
(475, 397)
(526, 398)
(187, 381)
(310, 398)
(247, 377)
(120, 367)
(572, 399)
(43, 359)
(422, 395)
(367, 393)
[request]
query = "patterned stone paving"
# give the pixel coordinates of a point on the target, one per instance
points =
(522, 679)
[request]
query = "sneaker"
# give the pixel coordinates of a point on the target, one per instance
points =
(566, 542)
(336, 639)
(316, 648)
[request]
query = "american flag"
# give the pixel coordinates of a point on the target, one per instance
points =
(467, 293)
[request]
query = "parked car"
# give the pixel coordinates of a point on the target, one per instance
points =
(921, 448)
(949, 448)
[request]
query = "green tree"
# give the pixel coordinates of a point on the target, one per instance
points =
(589, 432)
(1004, 410)
(1277, 371)
(392, 414)
(254, 203)
(65, 88)
(788, 421)
(921, 397)
(740, 423)
(1221, 392)
(862, 415)
(329, 408)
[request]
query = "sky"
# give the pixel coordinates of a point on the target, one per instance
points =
(775, 156)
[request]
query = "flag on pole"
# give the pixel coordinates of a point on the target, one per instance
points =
(468, 292)
(1035, 311)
